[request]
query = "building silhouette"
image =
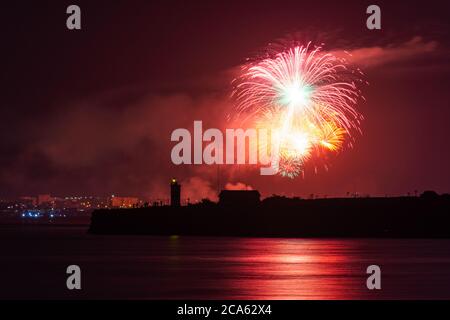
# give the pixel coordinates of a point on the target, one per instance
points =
(239, 198)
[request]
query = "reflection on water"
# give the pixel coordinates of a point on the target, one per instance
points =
(137, 267)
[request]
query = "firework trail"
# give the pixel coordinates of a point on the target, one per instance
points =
(307, 99)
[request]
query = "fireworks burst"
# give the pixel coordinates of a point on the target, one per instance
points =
(290, 166)
(306, 98)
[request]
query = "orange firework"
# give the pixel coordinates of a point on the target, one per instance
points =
(305, 97)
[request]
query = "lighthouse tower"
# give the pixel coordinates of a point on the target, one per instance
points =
(175, 193)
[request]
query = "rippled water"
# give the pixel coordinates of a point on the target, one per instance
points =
(33, 262)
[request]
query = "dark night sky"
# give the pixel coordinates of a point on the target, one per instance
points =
(91, 111)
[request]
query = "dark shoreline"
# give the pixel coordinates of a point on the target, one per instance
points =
(403, 217)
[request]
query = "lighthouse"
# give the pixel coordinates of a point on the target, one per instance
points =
(175, 193)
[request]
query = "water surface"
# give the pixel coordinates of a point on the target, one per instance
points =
(33, 262)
